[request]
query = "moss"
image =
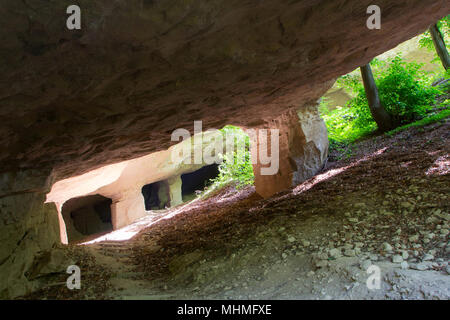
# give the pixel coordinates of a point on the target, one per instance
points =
(423, 122)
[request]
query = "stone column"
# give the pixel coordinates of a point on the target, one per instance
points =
(303, 150)
(175, 191)
(164, 194)
(62, 224)
(129, 208)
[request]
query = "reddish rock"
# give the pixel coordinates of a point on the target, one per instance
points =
(73, 101)
(303, 150)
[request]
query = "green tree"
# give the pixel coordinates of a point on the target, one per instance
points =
(404, 91)
(434, 39)
(439, 44)
(382, 118)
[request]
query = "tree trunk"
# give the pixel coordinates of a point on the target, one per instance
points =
(379, 114)
(439, 44)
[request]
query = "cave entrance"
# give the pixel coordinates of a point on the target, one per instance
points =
(86, 217)
(197, 181)
(156, 195)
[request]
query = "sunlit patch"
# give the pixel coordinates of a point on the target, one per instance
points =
(139, 187)
(440, 167)
(128, 232)
(333, 172)
(85, 184)
(405, 164)
(308, 184)
(122, 234)
(433, 153)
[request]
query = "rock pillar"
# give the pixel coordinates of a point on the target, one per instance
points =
(175, 191)
(302, 149)
(129, 208)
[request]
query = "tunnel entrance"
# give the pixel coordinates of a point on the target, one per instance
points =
(156, 195)
(87, 216)
(197, 181)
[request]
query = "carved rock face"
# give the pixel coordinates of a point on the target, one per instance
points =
(302, 153)
(28, 227)
(117, 88)
(72, 101)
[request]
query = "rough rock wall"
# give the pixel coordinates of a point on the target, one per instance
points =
(303, 150)
(77, 100)
(314, 141)
(123, 182)
(114, 90)
(28, 229)
(175, 191)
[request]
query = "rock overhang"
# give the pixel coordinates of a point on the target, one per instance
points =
(137, 70)
(116, 180)
(73, 101)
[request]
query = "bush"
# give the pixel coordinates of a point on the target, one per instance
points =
(237, 166)
(342, 126)
(405, 91)
(423, 122)
(426, 41)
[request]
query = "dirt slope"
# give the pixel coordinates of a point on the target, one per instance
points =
(387, 206)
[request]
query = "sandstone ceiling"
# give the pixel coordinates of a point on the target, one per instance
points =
(138, 69)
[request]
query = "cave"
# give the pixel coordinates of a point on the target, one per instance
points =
(86, 217)
(197, 181)
(88, 118)
(156, 195)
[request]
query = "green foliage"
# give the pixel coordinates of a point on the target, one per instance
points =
(343, 126)
(405, 91)
(446, 87)
(423, 122)
(426, 41)
(352, 82)
(236, 166)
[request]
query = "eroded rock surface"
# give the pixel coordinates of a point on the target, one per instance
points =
(117, 88)
(28, 228)
(123, 182)
(303, 150)
(386, 206)
(77, 100)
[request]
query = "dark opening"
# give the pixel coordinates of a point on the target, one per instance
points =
(87, 216)
(197, 181)
(156, 195)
